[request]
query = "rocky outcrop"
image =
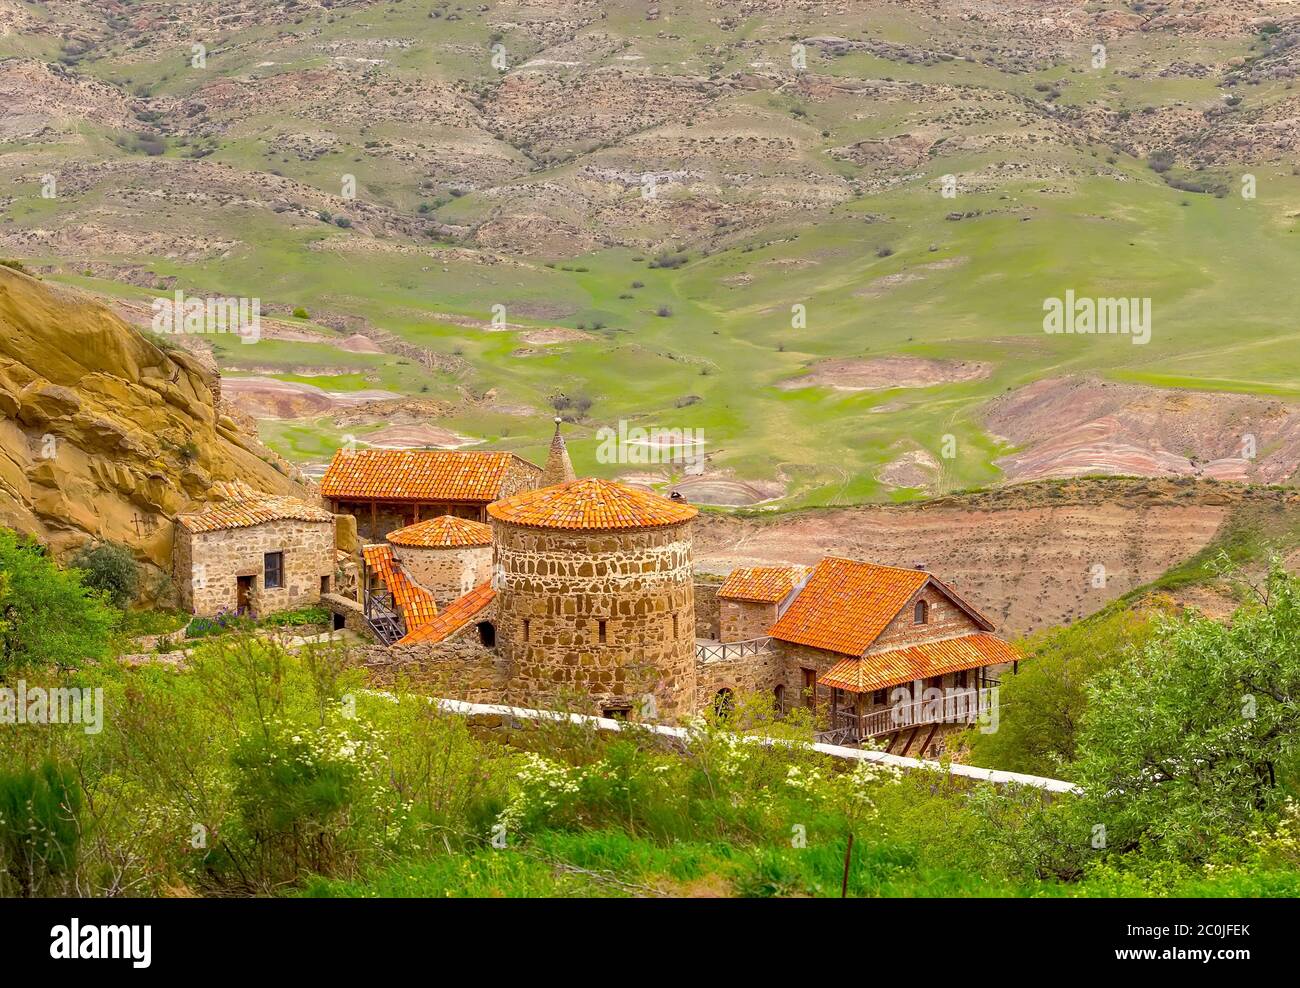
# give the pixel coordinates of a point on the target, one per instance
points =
(105, 433)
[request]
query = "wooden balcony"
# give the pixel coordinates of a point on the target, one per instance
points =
(957, 707)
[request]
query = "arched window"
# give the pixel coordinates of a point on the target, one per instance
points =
(921, 615)
(723, 702)
(487, 634)
(778, 695)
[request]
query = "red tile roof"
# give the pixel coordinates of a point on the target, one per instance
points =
(242, 507)
(454, 616)
(894, 666)
(591, 504)
(443, 532)
(846, 604)
(413, 601)
(763, 584)
(417, 474)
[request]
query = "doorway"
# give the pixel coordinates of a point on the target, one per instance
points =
(243, 595)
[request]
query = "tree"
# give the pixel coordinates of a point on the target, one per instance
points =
(109, 568)
(1188, 742)
(47, 615)
(1041, 706)
(39, 833)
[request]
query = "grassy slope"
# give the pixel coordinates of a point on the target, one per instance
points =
(1217, 270)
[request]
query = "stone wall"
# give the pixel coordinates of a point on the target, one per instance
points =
(354, 616)
(743, 620)
(459, 668)
(606, 615)
(208, 564)
(944, 620)
(706, 611)
(446, 573)
(520, 476)
(760, 673)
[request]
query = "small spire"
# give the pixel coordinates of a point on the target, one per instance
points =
(559, 468)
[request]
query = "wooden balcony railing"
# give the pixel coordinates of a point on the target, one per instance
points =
(707, 651)
(957, 707)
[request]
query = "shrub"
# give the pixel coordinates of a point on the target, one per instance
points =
(110, 568)
(300, 313)
(47, 615)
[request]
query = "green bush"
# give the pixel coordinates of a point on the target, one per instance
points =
(110, 568)
(47, 615)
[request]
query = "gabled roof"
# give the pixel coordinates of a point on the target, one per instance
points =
(242, 507)
(591, 504)
(417, 474)
(895, 666)
(443, 532)
(761, 584)
(847, 603)
(415, 603)
(454, 616)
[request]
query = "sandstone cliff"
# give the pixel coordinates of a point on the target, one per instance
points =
(105, 433)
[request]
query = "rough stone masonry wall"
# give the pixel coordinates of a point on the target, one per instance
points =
(520, 476)
(945, 620)
(458, 668)
(208, 563)
(446, 573)
(743, 620)
(563, 584)
(707, 618)
(743, 674)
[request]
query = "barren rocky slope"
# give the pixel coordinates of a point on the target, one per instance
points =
(1032, 557)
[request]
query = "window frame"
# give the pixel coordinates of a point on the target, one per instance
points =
(278, 556)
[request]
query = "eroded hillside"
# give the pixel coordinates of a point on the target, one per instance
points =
(104, 433)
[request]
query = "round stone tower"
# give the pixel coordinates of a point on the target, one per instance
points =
(447, 556)
(595, 599)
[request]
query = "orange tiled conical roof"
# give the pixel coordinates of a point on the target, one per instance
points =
(591, 504)
(443, 532)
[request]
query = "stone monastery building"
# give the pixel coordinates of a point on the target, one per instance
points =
(492, 580)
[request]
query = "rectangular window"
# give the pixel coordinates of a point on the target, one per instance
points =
(675, 626)
(273, 570)
(525, 629)
(600, 630)
(878, 698)
(809, 687)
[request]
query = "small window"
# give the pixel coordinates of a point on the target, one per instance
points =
(878, 698)
(809, 686)
(525, 629)
(273, 570)
(324, 584)
(921, 615)
(616, 713)
(487, 634)
(778, 695)
(600, 630)
(675, 626)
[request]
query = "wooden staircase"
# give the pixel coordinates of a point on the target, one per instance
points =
(382, 617)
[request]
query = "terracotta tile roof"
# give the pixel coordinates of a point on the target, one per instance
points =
(413, 601)
(764, 584)
(417, 474)
(443, 532)
(591, 504)
(895, 666)
(453, 617)
(242, 506)
(846, 604)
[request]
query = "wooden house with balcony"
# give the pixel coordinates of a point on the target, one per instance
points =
(890, 655)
